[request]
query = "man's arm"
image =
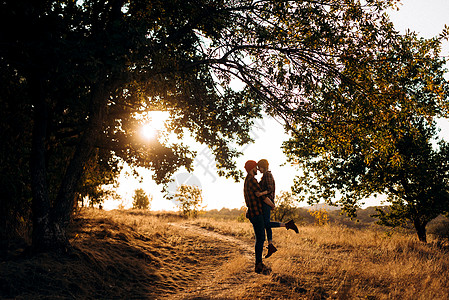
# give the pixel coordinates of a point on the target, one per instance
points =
(269, 202)
(260, 194)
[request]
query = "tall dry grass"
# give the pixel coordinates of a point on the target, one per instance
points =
(162, 256)
(337, 262)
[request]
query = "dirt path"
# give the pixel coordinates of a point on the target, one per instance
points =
(245, 248)
(228, 280)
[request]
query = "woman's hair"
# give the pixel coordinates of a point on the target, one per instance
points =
(263, 163)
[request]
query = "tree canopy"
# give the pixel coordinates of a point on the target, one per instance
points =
(380, 142)
(82, 73)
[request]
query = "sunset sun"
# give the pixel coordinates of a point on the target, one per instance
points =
(156, 122)
(149, 131)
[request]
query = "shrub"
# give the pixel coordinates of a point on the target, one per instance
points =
(189, 200)
(440, 228)
(141, 199)
(321, 216)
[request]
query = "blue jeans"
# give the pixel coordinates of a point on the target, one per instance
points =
(267, 223)
(259, 231)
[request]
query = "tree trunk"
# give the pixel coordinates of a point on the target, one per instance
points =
(67, 193)
(49, 225)
(39, 186)
(420, 230)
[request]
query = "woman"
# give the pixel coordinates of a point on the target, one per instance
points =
(268, 186)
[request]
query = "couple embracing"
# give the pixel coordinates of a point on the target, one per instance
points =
(259, 199)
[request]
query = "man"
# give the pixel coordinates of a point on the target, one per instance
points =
(254, 204)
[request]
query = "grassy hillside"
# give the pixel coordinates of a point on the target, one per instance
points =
(144, 255)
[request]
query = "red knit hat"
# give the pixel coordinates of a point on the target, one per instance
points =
(249, 165)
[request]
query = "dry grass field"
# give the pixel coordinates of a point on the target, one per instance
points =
(145, 255)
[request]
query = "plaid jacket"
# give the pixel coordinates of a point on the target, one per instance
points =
(253, 202)
(267, 184)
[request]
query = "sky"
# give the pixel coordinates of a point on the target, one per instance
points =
(425, 17)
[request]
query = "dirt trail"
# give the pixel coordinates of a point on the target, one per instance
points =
(246, 248)
(228, 280)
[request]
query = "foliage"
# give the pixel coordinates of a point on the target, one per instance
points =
(440, 228)
(87, 70)
(321, 216)
(285, 207)
(98, 173)
(381, 142)
(15, 146)
(141, 200)
(90, 71)
(242, 216)
(419, 192)
(224, 213)
(189, 200)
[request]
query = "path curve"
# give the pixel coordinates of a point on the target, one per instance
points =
(226, 280)
(246, 248)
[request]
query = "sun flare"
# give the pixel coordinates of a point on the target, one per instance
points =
(155, 123)
(148, 131)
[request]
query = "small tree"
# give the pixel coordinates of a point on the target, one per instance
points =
(285, 207)
(321, 216)
(189, 200)
(141, 199)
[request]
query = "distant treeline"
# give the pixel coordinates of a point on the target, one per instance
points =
(439, 227)
(302, 214)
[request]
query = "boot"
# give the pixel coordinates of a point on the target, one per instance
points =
(291, 225)
(262, 269)
(271, 249)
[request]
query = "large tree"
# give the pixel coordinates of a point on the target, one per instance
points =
(89, 69)
(380, 142)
